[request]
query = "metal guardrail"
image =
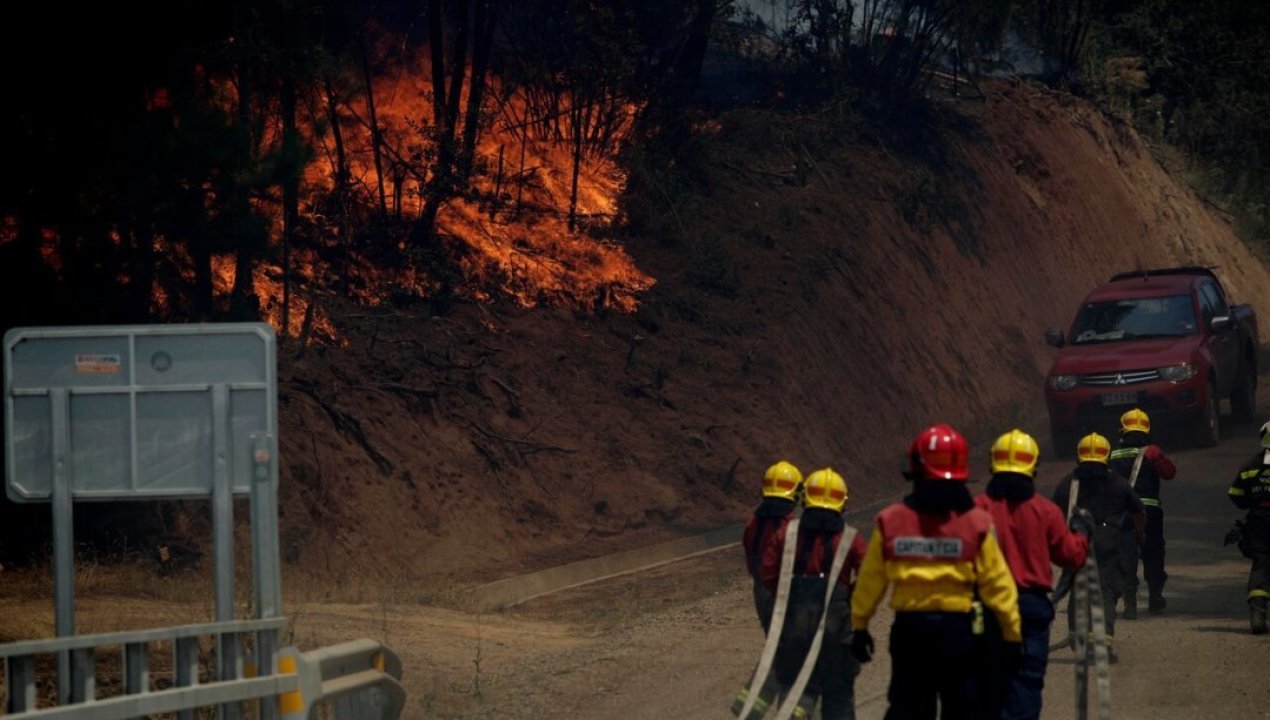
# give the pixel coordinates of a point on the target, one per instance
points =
(357, 680)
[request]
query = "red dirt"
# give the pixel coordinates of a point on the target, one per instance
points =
(891, 286)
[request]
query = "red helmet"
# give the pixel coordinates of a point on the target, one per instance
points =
(939, 453)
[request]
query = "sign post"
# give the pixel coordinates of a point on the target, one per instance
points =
(149, 412)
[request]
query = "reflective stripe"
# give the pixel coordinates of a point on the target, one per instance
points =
(1250, 473)
(1258, 593)
(1235, 491)
(291, 702)
(1151, 502)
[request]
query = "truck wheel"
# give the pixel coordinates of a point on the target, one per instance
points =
(1243, 399)
(1208, 424)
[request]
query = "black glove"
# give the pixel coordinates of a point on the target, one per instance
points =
(1012, 654)
(862, 646)
(1083, 522)
(1235, 534)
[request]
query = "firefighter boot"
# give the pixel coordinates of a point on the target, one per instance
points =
(1156, 602)
(805, 707)
(762, 703)
(1257, 614)
(1130, 606)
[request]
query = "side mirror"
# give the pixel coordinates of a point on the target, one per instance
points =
(1054, 337)
(1221, 323)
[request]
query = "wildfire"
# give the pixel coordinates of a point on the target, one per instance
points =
(522, 227)
(513, 223)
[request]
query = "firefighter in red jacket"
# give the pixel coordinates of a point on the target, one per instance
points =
(782, 484)
(1135, 442)
(820, 531)
(939, 550)
(1033, 534)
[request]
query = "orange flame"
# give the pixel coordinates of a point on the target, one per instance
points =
(531, 255)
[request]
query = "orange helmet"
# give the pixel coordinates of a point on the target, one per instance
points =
(782, 480)
(1015, 452)
(1093, 448)
(1135, 421)
(939, 453)
(825, 489)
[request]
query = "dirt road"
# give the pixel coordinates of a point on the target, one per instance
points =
(676, 642)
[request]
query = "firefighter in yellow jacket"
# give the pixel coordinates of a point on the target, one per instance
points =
(939, 550)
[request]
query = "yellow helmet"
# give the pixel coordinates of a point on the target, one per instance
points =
(782, 480)
(1135, 421)
(1093, 448)
(825, 489)
(1015, 452)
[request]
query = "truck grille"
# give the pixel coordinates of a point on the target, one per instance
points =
(1127, 377)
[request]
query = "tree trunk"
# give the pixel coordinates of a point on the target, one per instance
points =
(142, 286)
(290, 192)
(376, 139)
(486, 14)
(341, 184)
(686, 79)
(577, 119)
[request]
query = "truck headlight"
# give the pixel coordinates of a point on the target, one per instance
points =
(1178, 373)
(1063, 382)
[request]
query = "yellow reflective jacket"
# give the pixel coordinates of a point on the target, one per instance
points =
(937, 562)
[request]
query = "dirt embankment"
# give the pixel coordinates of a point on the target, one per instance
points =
(823, 290)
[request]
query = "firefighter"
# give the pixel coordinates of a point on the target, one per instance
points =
(1135, 442)
(820, 531)
(782, 484)
(1251, 491)
(939, 550)
(1033, 534)
(1118, 517)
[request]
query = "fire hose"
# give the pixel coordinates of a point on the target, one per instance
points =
(792, 695)
(1090, 624)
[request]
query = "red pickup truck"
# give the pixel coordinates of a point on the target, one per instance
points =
(1167, 341)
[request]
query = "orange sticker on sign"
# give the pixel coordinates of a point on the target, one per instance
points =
(92, 363)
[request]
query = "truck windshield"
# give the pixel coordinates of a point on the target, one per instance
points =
(1136, 319)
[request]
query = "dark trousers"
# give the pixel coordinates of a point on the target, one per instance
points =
(833, 676)
(1257, 531)
(932, 666)
(1151, 554)
(1021, 691)
(764, 601)
(1004, 695)
(1109, 551)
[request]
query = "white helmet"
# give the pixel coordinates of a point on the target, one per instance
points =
(1265, 436)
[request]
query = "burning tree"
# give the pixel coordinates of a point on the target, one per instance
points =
(262, 154)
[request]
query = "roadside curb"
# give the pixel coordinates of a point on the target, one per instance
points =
(512, 591)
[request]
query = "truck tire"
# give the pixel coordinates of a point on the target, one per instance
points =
(1207, 431)
(1243, 399)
